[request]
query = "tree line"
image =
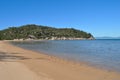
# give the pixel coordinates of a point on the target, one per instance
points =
(41, 32)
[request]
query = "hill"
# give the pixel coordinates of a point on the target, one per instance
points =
(107, 38)
(33, 31)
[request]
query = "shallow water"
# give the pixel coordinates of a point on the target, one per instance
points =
(100, 53)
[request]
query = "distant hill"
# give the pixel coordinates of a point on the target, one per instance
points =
(33, 31)
(107, 37)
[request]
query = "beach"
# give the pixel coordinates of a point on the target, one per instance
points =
(20, 64)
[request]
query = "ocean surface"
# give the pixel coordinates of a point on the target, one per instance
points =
(100, 53)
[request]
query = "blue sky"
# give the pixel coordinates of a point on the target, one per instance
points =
(99, 17)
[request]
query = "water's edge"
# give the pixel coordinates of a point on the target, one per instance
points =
(69, 58)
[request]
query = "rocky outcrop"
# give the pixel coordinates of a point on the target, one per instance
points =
(70, 38)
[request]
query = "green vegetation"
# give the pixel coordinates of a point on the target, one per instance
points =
(41, 32)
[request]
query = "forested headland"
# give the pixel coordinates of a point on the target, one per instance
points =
(32, 31)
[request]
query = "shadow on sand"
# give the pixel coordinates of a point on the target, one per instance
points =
(11, 57)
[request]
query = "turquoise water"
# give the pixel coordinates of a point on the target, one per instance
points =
(100, 53)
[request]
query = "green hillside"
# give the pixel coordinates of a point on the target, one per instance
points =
(41, 32)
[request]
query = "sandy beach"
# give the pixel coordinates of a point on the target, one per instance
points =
(20, 64)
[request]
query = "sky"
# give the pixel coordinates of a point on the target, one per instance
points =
(98, 17)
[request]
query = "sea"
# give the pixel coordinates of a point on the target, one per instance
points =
(101, 53)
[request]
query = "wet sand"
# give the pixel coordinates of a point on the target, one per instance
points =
(20, 64)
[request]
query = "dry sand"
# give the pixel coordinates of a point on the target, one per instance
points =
(20, 64)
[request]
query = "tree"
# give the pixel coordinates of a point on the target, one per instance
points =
(41, 32)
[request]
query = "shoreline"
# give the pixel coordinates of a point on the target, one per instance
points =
(54, 68)
(74, 61)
